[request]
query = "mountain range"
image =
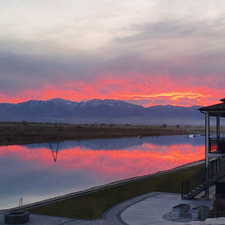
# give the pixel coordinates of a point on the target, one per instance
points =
(98, 111)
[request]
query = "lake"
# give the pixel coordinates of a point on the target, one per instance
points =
(39, 171)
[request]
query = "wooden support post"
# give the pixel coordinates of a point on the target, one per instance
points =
(207, 137)
(218, 127)
(217, 166)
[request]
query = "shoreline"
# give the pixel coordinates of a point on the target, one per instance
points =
(98, 199)
(29, 133)
(100, 188)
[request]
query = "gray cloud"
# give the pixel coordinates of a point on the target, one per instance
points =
(176, 28)
(178, 48)
(20, 71)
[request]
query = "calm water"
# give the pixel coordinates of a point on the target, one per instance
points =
(39, 171)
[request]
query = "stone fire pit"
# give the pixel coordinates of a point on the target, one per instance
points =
(17, 217)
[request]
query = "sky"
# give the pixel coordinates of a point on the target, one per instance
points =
(145, 52)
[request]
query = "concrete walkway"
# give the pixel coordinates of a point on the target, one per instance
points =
(151, 210)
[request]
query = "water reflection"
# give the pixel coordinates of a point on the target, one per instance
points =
(40, 171)
(54, 147)
(124, 143)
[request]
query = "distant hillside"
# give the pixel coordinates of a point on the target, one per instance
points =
(98, 111)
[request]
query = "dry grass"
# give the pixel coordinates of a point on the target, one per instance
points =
(25, 133)
(93, 204)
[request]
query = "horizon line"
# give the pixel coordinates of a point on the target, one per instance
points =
(127, 101)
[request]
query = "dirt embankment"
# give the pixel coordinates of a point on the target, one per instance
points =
(25, 133)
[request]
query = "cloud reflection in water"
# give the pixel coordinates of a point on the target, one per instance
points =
(31, 172)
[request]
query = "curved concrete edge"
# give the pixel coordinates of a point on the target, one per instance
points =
(151, 209)
(113, 215)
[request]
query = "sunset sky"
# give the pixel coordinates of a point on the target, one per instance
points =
(145, 52)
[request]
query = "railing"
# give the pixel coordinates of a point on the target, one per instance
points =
(203, 179)
(216, 213)
(194, 181)
(217, 145)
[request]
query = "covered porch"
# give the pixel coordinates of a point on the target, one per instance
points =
(214, 168)
(214, 140)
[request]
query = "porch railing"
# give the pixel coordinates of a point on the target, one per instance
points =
(217, 145)
(203, 179)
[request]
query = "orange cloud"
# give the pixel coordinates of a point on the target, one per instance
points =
(174, 95)
(141, 89)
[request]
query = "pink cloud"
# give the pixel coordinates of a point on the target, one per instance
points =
(152, 90)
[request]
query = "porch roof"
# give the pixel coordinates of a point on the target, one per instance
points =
(215, 110)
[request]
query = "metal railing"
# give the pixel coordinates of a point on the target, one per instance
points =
(216, 213)
(188, 187)
(217, 145)
(203, 179)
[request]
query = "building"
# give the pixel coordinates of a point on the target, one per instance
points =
(214, 169)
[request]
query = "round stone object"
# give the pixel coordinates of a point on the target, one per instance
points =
(17, 217)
